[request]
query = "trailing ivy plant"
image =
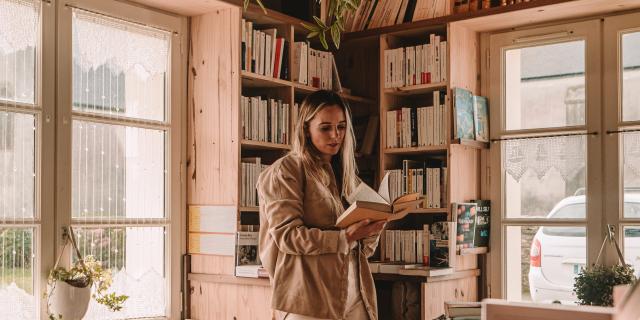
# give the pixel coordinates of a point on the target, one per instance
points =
(594, 285)
(333, 27)
(84, 273)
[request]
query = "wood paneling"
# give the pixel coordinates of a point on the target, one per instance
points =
(213, 152)
(213, 301)
(210, 264)
(464, 58)
(464, 176)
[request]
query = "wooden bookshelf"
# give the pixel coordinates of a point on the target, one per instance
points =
(416, 150)
(261, 145)
(250, 79)
(249, 209)
(417, 89)
(471, 143)
(430, 210)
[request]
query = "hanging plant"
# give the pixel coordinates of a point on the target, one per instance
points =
(333, 27)
(594, 285)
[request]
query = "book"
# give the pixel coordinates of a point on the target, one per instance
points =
(483, 218)
(366, 203)
(463, 117)
(442, 244)
(464, 214)
(481, 118)
(247, 248)
(462, 309)
(424, 271)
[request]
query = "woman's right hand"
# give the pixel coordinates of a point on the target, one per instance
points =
(364, 229)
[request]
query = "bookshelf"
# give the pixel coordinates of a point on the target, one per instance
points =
(218, 146)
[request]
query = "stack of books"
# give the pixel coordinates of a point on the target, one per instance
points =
(263, 52)
(418, 127)
(421, 64)
(381, 13)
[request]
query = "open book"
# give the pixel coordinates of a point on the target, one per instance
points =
(366, 203)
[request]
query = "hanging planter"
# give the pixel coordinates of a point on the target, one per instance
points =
(69, 291)
(594, 284)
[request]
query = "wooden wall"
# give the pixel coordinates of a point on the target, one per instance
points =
(213, 115)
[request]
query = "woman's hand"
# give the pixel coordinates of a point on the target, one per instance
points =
(363, 229)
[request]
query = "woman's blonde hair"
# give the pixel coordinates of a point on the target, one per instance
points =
(304, 148)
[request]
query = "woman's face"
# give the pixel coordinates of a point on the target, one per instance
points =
(327, 130)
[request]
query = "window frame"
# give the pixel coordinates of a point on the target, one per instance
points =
(174, 140)
(613, 28)
(494, 46)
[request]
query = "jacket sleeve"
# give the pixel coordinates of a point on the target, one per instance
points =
(369, 245)
(282, 193)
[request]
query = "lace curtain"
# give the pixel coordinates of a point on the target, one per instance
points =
(137, 48)
(566, 155)
(631, 152)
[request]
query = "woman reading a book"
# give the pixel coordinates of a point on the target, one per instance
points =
(316, 270)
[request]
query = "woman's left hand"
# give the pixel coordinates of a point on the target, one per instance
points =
(364, 229)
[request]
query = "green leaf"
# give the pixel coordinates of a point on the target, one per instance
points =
(351, 4)
(320, 23)
(332, 7)
(310, 27)
(246, 5)
(312, 34)
(335, 35)
(323, 40)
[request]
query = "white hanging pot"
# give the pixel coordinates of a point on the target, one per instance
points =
(69, 301)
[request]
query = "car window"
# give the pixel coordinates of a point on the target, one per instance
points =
(572, 211)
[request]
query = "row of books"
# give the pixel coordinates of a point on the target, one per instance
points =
(314, 68)
(418, 127)
(436, 243)
(251, 169)
(380, 13)
(265, 120)
(460, 6)
(416, 177)
(471, 116)
(414, 65)
(263, 52)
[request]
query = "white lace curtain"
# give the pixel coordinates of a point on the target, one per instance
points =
(564, 154)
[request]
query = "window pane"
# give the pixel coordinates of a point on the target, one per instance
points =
(136, 257)
(631, 76)
(631, 173)
(544, 86)
(17, 166)
(545, 177)
(542, 262)
(632, 247)
(19, 25)
(117, 171)
(123, 74)
(17, 257)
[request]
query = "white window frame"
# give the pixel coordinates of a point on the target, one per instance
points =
(614, 26)
(498, 42)
(175, 138)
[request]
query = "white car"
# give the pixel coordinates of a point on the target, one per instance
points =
(558, 253)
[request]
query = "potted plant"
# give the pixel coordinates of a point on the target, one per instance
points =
(594, 285)
(337, 10)
(69, 291)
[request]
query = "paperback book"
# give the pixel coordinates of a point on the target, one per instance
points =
(366, 203)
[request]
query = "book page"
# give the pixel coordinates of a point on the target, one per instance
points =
(364, 193)
(383, 191)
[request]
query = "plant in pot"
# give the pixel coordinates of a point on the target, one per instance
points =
(334, 26)
(594, 285)
(69, 290)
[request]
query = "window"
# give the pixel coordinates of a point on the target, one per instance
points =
(115, 128)
(543, 115)
(20, 114)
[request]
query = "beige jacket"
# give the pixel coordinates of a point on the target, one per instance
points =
(306, 256)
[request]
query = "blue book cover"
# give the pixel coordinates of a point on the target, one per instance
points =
(481, 118)
(463, 103)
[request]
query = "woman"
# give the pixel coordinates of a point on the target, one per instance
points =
(316, 270)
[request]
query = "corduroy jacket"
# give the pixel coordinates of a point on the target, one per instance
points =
(305, 254)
